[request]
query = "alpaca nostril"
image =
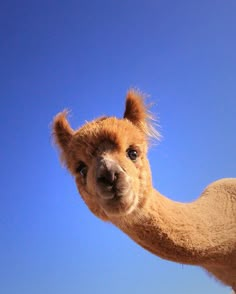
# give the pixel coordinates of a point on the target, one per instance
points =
(107, 178)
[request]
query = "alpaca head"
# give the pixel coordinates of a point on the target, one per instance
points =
(108, 159)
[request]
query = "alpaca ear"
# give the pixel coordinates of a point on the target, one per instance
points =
(137, 112)
(62, 131)
(135, 109)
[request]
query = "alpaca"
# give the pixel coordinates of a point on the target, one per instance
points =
(107, 158)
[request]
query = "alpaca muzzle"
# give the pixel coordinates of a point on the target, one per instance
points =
(107, 173)
(110, 178)
(113, 187)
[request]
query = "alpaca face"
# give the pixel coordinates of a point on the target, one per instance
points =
(107, 157)
(109, 164)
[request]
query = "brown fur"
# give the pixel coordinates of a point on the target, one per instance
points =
(119, 189)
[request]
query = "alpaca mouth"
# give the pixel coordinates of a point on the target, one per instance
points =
(117, 202)
(110, 193)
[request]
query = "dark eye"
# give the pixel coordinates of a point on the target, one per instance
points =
(132, 154)
(82, 169)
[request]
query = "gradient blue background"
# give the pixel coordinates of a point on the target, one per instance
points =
(84, 55)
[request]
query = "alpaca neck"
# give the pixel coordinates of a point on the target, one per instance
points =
(171, 230)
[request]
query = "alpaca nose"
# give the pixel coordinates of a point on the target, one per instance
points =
(107, 178)
(107, 172)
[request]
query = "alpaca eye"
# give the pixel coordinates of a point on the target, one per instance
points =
(132, 154)
(82, 169)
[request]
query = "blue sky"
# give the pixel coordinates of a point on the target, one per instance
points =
(84, 55)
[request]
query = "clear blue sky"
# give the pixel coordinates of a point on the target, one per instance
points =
(84, 55)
